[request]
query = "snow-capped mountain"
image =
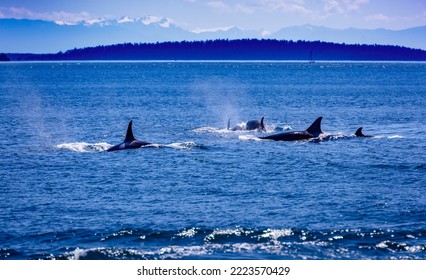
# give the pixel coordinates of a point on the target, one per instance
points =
(147, 20)
(231, 32)
(37, 36)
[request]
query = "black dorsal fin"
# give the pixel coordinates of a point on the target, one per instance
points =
(359, 133)
(229, 123)
(315, 127)
(262, 124)
(129, 134)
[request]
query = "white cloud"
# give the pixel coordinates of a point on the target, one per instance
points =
(244, 9)
(300, 7)
(58, 17)
(250, 7)
(356, 5)
(69, 18)
(226, 8)
(379, 17)
(220, 6)
(343, 6)
(14, 12)
(333, 6)
(285, 6)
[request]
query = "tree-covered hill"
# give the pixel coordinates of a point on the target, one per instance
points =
(243, 49)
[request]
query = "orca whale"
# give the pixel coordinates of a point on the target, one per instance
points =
(359, 133)
(129, 141)
(313, 131)
(250, 125)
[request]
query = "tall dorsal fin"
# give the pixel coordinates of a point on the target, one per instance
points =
(229, 123)
(262, 124)
(129, 134)
(359, 133)
(315, 127)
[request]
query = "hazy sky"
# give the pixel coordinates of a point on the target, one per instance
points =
(269, 15)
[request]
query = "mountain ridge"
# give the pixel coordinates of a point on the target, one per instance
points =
(30, 36)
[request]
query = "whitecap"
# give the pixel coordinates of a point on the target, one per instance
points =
(187, 233)
(382, 245)
(395, 136)
(276, 233)
(175, 252)
(77, 254)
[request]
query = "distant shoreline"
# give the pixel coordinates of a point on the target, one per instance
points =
(232, 50)
(217, 61)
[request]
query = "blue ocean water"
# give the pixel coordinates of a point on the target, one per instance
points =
(201, 191)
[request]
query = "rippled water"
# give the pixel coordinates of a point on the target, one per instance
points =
(201, 191)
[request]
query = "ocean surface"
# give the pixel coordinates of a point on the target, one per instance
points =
(201, 191)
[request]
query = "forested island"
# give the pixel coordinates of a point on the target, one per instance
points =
(241, 49)
(4, 57)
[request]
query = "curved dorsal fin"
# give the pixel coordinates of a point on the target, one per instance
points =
(262, 124)
(315, 127)
(359, 133)
(129, 134)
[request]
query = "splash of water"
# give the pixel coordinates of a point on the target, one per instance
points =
(83, 147)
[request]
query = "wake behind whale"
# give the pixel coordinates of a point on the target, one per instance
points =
(130, 142)
(84, 147)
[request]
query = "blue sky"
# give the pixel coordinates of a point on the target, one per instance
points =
(269, 15)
